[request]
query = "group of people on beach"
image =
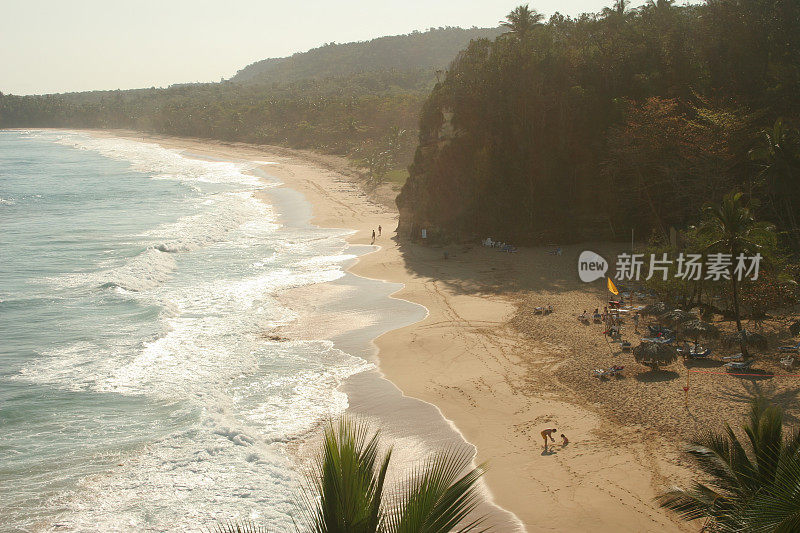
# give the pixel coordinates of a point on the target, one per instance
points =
(379, 233)
(609, 319)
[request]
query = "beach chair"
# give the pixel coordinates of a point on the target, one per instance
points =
(705, 354)
(787, 363)
(734, 366)
(600, 373)
(626, 346)
(615, 370)
(538, 310)
(659, 340)
(737, 357)
(795, 348)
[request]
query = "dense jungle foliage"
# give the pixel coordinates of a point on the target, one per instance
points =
(588, 127)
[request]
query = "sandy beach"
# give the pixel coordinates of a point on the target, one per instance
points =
(498, 373)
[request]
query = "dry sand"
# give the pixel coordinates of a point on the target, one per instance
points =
(500, 374)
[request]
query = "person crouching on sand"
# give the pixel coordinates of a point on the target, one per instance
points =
(564, 440)
(548, 433)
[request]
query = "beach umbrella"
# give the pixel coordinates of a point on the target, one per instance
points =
(751, 339)
(697, 329)
(655, 354)
(654, 309)
(676, 318)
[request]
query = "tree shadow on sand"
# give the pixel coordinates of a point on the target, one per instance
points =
(703, 363)
(753, 374)
(473, 269)
(744, 392)
(655, 376)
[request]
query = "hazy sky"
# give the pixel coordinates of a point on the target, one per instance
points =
(75, 45)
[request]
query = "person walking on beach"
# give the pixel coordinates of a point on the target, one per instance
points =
(636, 323)
(548, 433)
(373, 236)
(379, 230)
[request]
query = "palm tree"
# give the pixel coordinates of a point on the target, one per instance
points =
(346, 493)
(754, 486)
(617, 11)
(731, 228)
(522, 20)
(779, 156)
(660, 5)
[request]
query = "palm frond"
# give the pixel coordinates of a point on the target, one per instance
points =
(436, 500)
(753, 488)
(777, 507)
(239, 527)
(345, 496)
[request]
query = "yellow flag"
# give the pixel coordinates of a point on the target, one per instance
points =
(612, 287)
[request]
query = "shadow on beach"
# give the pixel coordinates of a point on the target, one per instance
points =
(703, 363)
(655, 376)
(474, 269)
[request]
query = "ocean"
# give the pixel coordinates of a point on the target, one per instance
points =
(141, 388)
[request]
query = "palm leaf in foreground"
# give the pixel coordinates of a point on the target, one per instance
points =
(777, 509)
(345, 493)
(240, 527)
(437, 498)
(755, 490)
(348, 487)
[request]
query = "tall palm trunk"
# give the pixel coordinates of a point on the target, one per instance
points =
(737, 315)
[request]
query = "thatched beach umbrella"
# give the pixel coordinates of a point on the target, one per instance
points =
(655, 354)
(676, 318)
(745, 337)
(697, 329)
(655, 309)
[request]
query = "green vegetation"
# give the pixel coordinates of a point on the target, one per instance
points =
(350, 99)
(585, 128)
(730, 228)
(428, 51)
(348, 494)
(727, 227)
(748, 486)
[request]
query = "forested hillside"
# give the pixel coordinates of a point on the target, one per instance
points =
(431, 50)
(588, 127)
(356, 99)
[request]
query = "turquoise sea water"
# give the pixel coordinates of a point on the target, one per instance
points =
(137, 389)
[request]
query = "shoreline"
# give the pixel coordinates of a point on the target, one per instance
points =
(413, 427)
(465, 360)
